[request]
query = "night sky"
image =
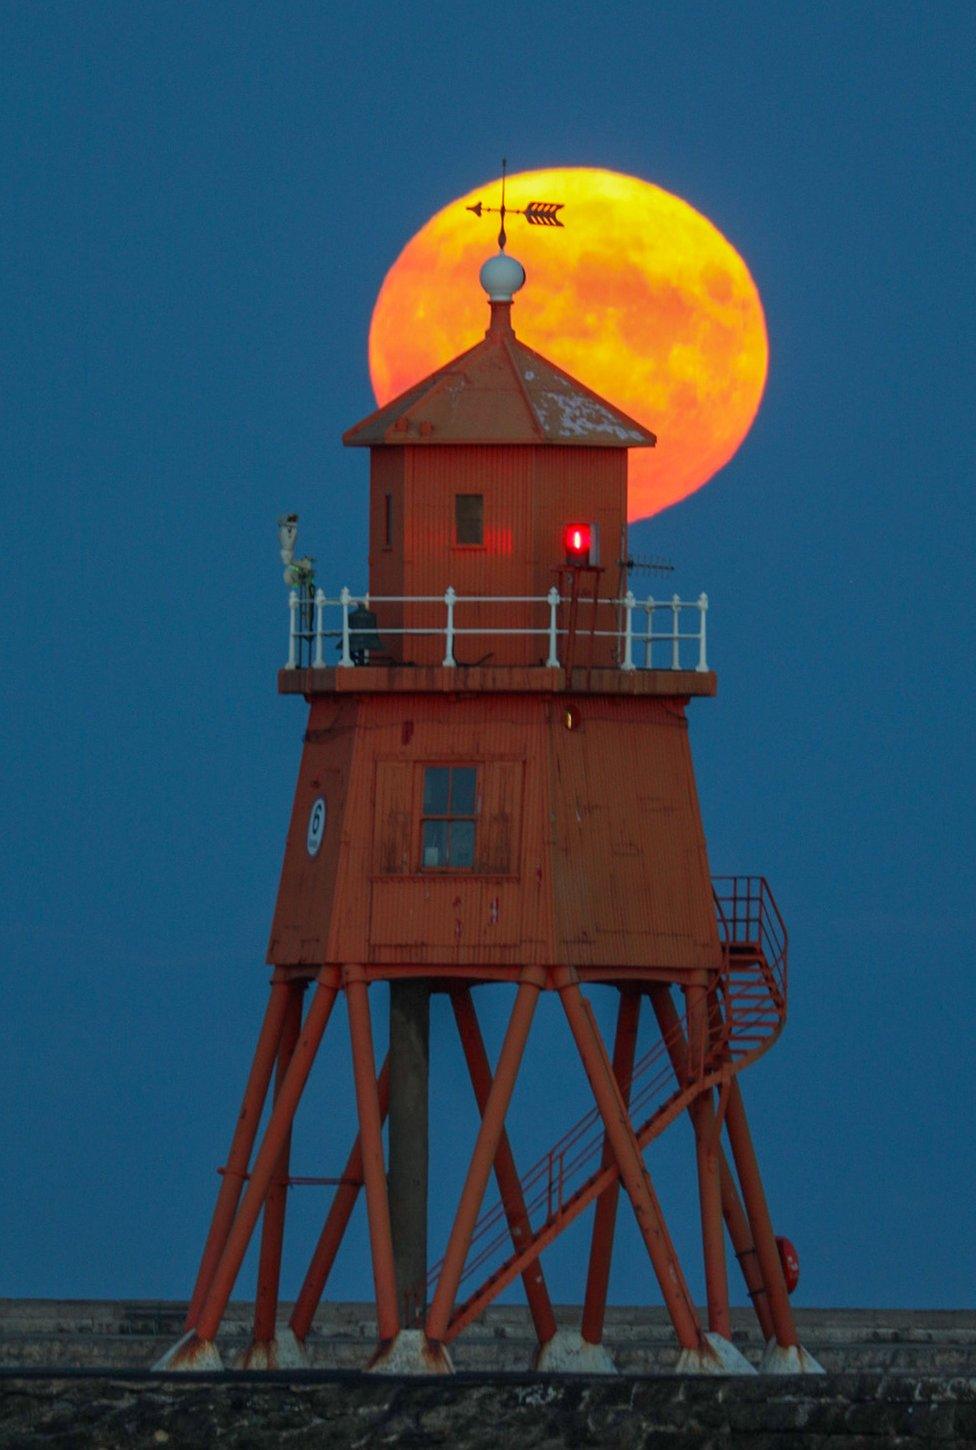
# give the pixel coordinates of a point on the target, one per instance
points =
(200, 204)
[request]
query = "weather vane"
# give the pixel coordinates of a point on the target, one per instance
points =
(536, 213)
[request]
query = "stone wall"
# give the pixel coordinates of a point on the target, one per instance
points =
(129, 1334)
(482, 1412)
(76, 1377)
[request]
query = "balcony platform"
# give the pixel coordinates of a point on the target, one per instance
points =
(497, 679)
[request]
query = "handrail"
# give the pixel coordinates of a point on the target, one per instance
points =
(634, 626)
(751, 1003)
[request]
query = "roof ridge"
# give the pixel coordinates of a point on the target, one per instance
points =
(520, 383)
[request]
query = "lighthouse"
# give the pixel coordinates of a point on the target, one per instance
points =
(496, 794)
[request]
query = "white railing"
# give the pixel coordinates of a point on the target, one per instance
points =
(639, 642)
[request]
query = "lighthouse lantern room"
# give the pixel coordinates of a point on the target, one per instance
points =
(496, 792)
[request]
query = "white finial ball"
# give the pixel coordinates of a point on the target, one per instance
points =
(501, 277)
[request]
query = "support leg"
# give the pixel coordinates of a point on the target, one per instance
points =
(335, 1225)
(235, 1169)
(408, 1142)
(744, 1154)
(485, 1151)
(709, 1173)
(605, 1219)
(509, 1185)
(263, 1350)
(636, 1179)
(732, 1210)
(374, 1168)
(740, 1236)
(196, 1350)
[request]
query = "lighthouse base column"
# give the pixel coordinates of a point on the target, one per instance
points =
(284, 1351)
(411, 1352)
(567, 1352)
(716, 1356)
(190, 1355)
(408, 1140)
(788, 1359)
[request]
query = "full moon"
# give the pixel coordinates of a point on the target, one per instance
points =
(639, 296)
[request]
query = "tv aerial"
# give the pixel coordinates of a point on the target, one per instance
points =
(653, 566)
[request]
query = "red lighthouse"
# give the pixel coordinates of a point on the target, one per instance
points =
(496, 792)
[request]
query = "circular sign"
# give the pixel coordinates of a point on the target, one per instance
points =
(316, 826)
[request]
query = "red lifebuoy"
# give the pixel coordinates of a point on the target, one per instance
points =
(790, 1260)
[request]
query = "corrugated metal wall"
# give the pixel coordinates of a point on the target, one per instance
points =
(589, 843)
(530, 494)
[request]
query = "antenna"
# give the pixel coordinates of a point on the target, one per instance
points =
(536, 213)
(654, 566)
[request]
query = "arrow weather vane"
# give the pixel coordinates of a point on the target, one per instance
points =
(536, 213)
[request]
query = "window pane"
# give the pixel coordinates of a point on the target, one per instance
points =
(469, 518)
(463, 780)
(436, 785)
(462, 845)
(435, 845)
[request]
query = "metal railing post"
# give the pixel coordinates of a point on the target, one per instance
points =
(702, 665)
(318, 660)
(450, 598)
(649, 608)
(552, 662)
(628, 661)
(675, 632)
(345, 658)
(292, 629)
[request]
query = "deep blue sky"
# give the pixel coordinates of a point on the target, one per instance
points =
(200, 205)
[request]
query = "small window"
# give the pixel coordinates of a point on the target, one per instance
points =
(469, 518)
(388, 520)
(447, 828)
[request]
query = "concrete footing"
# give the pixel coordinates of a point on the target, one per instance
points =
(788, 1359)
(190, 1355)
(567, 1352)
(411, 1352)
(717, 1356)
(282, 1352)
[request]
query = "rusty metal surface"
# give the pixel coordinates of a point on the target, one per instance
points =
(500, 391)
(590, 848)
(494, 680)
(529, 492)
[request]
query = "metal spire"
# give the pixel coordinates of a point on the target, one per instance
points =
(536, 213)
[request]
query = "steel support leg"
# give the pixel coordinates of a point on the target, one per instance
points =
(605, 1219)
(506, 1175)
(374, 1167)
(337, 1220)
(262, 1173)
(636, 1180)
(235, 1169)
(733, 1212)
(740, 1235)
(744, 1154)
(408, 1161)
(273, 1225)
(485, 1152)
(707, 1150)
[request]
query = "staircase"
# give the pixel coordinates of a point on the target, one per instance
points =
(748, 1014)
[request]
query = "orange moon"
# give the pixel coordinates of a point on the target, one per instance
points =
(640, 297)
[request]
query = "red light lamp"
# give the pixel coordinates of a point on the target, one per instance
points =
(578, 541)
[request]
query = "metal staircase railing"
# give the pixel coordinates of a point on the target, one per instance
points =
(749, 1013)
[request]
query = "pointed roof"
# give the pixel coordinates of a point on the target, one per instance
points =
(500, 391)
